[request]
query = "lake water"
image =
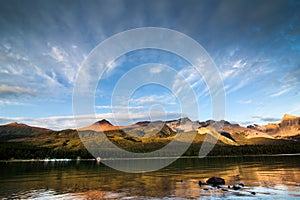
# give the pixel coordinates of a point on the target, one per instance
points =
(270, 177)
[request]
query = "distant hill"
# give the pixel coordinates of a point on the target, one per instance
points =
(18, 130)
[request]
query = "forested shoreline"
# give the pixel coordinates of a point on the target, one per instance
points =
(15, 150)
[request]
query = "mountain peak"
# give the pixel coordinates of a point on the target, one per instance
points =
(143, 123)
(288, 117)
(17, 124)
(103, 122)
(180, 120)
(185, 119)
(99, 126)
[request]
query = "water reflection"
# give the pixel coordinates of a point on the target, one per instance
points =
(269, 177)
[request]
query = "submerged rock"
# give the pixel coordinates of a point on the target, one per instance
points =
(238, 186)
(241, 184)
(215, 181)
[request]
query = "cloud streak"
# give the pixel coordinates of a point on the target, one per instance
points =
(267, 119)
(7, 91)
(245, 101)
(119, 107)
(154, 99)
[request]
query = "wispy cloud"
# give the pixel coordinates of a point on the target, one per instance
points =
(190, 79)
(234, 70)
(267, 119)
(111, 65)
(295, 109)
(279, 93)
(15, 91)
(58, 54)
(46, 68)
(12, 103)
(119, 107)
(244, 123)
(191, 75)
(157, 69)
(70, 64)
(286, 83)
(164, 99)
(242, 72)
(249, 101)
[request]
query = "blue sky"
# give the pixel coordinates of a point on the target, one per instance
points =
(254, 44)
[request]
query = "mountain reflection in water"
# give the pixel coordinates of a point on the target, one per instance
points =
(273, 177)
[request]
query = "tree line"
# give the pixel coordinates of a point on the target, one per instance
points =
(10, 150)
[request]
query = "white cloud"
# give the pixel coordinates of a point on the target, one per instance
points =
(191, 75)
(239, 64)
(245, 101)
(8, 90)
(190, 79)
(48, 81)
(58, 54)
(234, 69)
(281, 92)
(69, 61)
(285, 83)
(165, 99)
(55, 72)
(238, 85)
(157, 69)
(11, 103)
(111, 65)
(13, 69)
(227, 73)
(240, 73)
(119, 107)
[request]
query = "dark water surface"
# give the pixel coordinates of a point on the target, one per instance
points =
(270, 177)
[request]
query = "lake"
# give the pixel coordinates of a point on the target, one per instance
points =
(270, 177)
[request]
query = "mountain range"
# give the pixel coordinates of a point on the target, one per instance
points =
(148, 136)
(288, 128)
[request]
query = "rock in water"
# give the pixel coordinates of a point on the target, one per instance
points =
(241, 184)
(215, 181)
(236, 187)
(200, 183)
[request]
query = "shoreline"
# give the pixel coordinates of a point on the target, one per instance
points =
(150, 158)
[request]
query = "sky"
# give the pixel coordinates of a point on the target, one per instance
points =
(254, 44)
